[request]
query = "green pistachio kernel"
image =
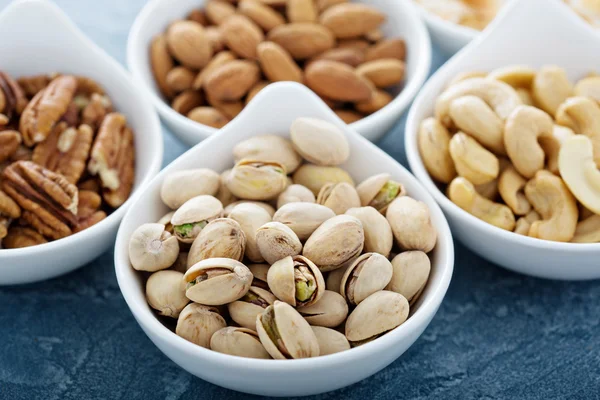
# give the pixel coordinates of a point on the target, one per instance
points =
(304, 290)
(188, 230)
(386, 195)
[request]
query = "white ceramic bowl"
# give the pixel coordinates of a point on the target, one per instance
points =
(35, 38)
(556, 37)
(273, 111)
(403, 21)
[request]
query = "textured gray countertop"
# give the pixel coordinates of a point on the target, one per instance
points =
(497, 335)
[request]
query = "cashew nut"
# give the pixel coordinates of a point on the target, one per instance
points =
(551, 87)
(551, 145)
(462, 193)
(588, 230)
(517, 76)
(473, 116)
(525, 96)
(472, 160)
(577, 168)
(434, 140)
(551, 198)
(583, 116)
(523, 129)
(490, 190)
(463, 76)
(524, 223)
(510, 186)
(502, 98)
(589, 87)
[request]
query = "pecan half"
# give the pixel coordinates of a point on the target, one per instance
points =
(31, 85)
(88, 212)
(112, 158)
(91, 184)
(48, 200)
(65, 151)
(9, 143)
(96, 109)
(87, 86)
(22, 154)
(46, 109)
(8, 207)
(22, 236)
(12, 99)
(71, 116)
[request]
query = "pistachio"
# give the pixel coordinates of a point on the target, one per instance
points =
(259, 271)
(217, 281)
(265, 206)
(370, 273)
(152, 248)
(411, 224)
(315, 177)
(379, 191)
(178, 187)
(410, 274)
(165, 292)
(296, 280)
(268, 148)
(194, 215)
(339, 197)
(334, 279)
(330, 341)
(180, 263)
(378, 233)
(257, 180)
(197, 323)
(239, 342)
(276, 241)
(224, 195)
(303, 218)
(285, 334)
(376, 315)
(338, 241)
(319, 142)
(245, 310)
(330, 311)
(251, 217)
(222, 237)
(295, 194)
(166, 221)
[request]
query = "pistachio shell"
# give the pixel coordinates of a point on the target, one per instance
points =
(330, 311)
(303, 218)
(224, 195)
(152, 248)
(257, 180)
(276, 241)
(222, 237)
(285, 334)
(268, 148)
(411, 224)
(339, 197)
(166, 221)
(193, 215)
(376, 315)
(330, 341)
(315, 177)
(296, 280)
(410, 274)
(180, 263)
(379, 191)
(337, 241)
(239, 342)
(165, 292)
(245, 310)
(197, 323)
(178, 187)
(319, 142)
(251, 217)
(378, 233)
(370, 273)
(217, 281)
(259, 271)
(265, 206)
(334, 279)
(295, 194)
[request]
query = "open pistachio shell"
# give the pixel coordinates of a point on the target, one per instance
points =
(222, 237)
(257, 180)
(411, 225)
(224, 195)
(152, 248)
(259, 271)
(276, 241)
(165, 292)
(197, 323)
(330, 311)
(319, 142)
(245, 310)
(194, 215)
(337, 241)
(296, 280)
(178, 187)
(339, 197)
(330, 341)
(315, 177)
(295, 194)
(268, 148)
(285, 334)
(370, 273)
(303, 218)
(251, 217)
(166, 221)
(265, 206)
(379, 191)
(410, 274)
(217, 281)
(239, 342)
(378, 233)
(376, 315)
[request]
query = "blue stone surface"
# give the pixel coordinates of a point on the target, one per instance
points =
(498, 335)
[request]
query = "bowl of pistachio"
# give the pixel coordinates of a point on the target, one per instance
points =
(287, 252)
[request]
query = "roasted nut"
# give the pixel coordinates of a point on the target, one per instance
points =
(302, 39)
(265, 206)
(198, 323)
(186, 101)
(340, 197)
(232, 80)
(296, 280)
(551, 145)
(329, 311)
(96, 109)
(350, 20)
(334, 279)
(587, 231)
(180, 264)
(224, 195)
(315, 177)
(180, 78)
(242, 36)
(410, 274)
(383, 73)
(194, 215)
(472, 160)
(337, 81)
(524, 223)
(378, 233)
(588, 87)
(151, 248)
(257, 180)
(510, 187)
(370, 273)
(303, 218)
(178, 187)
(165, 292)
(379, 191)
(434, 146)
(550, 88)
(268, 148)
(245, 310)
(387, 48)
(12, 99)
(217, 61)
(277, 64)
(259, 271)
(295, 194)
(9, 143)
(263, 15)
(319, 142)
(251, 217)
(411, 224)
(276, 241)
(330, 341)
(378, 100)
(222, 237)
(188, 43)
(239, 342)
(218, 11)
(217, 281)
(88, 210)
(20, 236)
(583, 116)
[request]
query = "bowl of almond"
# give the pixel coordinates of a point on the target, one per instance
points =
(202, 62)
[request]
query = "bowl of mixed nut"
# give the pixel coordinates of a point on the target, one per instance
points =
(70, 157)
(508, 143)
(203, 61)
(283, 250)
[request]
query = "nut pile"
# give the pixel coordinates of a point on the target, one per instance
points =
(212, 64)
(66, 158)
(476, 14)
(587, 9)
(285, 267)
(519, 148)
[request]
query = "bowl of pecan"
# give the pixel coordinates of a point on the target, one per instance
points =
(70, 150)
(201, 62)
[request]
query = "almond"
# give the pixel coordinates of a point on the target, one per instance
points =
(186, 101)
(358, 44)
(218, 60)
(208, 116)
(387, 48)
(277, 64)
(383, 73)
(337, 81)
(232, 80)
(350, 20)
(263, 15)
(302, 40)
(379, 100)
(348, 116)
(242, 36)
(274, 3)
(215, 37)
(301, 11)
(218, 11)
(230, 109)
(255, 89)
(322, 5)
(351, 56)
(161, 63)
(198, 16)
(374, 36)
(188, 43)
(180, 79)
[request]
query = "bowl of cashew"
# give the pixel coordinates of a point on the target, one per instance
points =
(506, 137)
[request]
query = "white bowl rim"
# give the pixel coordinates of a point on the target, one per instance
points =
(465, 33)
(419, 318)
